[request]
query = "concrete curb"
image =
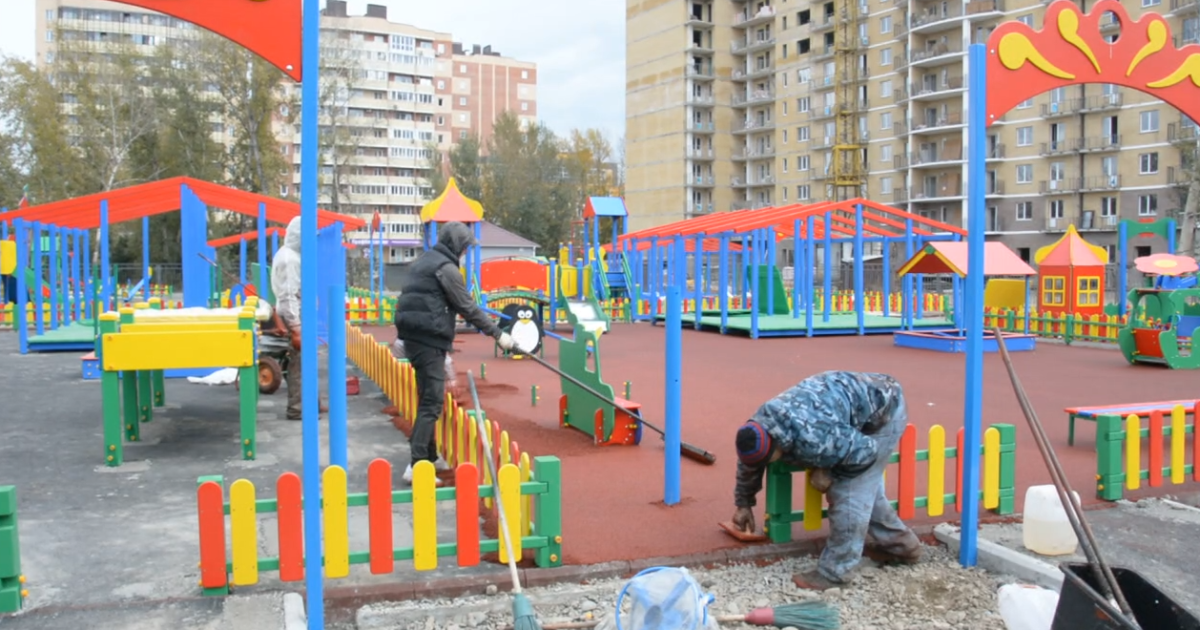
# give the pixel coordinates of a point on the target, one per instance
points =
(354, 597)
(1001, 559)
(294, 615)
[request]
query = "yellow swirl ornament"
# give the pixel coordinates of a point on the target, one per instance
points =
(1068, 28)
(1015, 49)
(1156, 34)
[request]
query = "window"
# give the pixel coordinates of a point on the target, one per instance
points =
(785, 136)
(802, 192)
(462, 101)
(1024, 173)
(885, 185)
(1087, 291)
(1055, 209)
(441, 48)
(1024, 136)
(1147, 205)
(462, 67)
(785, 107)
(802, 163)
(885, 89)
(783, 53)
(1025, 104)
(885, 121)
(1024, 210)
(1052, 291)
(1148, 163)
(1108, 206)
(1027, 20)
(801, 134)
(1150, 3)
(885, 154)
(803, 75)
(1149, 121)
(785, 162)
(885, 24)
(524, 106)
(524, 74)
(885, 57)
(441, 84)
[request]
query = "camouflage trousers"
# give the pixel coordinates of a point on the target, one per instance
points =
(858, 507)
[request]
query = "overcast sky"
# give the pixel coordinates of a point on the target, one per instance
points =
(578, 45)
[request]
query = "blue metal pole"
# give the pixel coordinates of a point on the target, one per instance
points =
(371, 256)
(674, 395)
(39, 304)
(262, 249)
(309, 262)
(810, 281)
(19, 313)
(337, 375)
(697, 281)
(723, 283)
(887, 276)
(860, 307)
(828, 279)
(242, 261)
(796, 266)
(1026, 305)
(973, 407)
(105, 268)
(52, 259)
(64, 261)
(553, 281)
(146, 259)
(754, 256)
(1122, 274)
(768, 236)
(85, 296)
(1171, 237)
(76, 279)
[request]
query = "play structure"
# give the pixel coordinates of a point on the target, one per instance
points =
(700, 253)
(1163, 327)
(450, 206)
(53, 243)
(137, 345)
(582, 410)
(951, 258)
(1071, 275)
(12, 581)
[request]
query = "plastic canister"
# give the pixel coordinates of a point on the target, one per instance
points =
(1046, 529)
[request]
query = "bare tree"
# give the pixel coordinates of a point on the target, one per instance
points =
(340, 139)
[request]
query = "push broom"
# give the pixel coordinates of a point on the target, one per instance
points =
(523, 616)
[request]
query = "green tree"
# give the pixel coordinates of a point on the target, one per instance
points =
(465, 164)
(524, 187)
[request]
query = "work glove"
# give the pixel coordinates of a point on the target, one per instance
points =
(743, 519)
(506, 342)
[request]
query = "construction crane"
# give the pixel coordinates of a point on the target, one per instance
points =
(849, 175)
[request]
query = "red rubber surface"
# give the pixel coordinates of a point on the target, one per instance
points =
(612, 499)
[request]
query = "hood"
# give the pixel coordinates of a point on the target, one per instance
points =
(456, 237)
(291, 239)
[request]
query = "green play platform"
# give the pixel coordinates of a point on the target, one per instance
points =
(80, 335)
(786, 325)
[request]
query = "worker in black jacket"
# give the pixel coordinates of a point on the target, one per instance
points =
(433, 294)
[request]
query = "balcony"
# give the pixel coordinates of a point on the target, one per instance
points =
(931, 159)
(702, 127)
(1060, 186)
(701, 181)
(698, 48)
(939, 89)
(1101, 102)
(1100, 144)
(1183, 131)
(699, 208)
(750, 44)
(936, 19)
(1186, 38)
(900, 95)
(1109, 23)
(984, 9)
(823, 142)
(938, 55)
(762, 16)
(754, 96)
(1059, 147)
(944, 190)
(952, 121)
(702, 100)
(754, 154)
(1058, 109)
(1100, 183)
(900, 195)
(701, 154)
(704, 71)
(994, 187)
(753, 182)
(741, 74)
(826, 24)
(1184, 6)
(754, 126)
(824, 54)
(1090, 220)
(1055, 224)
(698, 21)
(996, 152)
(830, 81)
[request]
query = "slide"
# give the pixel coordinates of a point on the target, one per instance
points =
(31, 282)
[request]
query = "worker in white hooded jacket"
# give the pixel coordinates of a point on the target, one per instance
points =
(285, 284)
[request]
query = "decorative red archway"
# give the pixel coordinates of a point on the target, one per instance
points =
(1071, 50)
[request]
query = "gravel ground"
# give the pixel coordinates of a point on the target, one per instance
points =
(934, 594)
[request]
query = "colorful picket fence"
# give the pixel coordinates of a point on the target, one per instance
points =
(538, 531)
(842, 302)
(1163, 438)
(998, 480)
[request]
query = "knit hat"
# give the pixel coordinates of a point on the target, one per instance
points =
(753, 444)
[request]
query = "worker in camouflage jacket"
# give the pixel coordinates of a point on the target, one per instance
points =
(843, 426)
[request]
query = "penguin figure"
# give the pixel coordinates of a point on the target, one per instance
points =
(525, 326)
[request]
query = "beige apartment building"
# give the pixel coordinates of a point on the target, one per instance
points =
(411, 87)
(743, 104)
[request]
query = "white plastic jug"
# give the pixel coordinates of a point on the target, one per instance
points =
(1046, 529)
(1024, 607)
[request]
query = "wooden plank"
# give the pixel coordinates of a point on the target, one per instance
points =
(211, 508)
(907, 480)
(936, 504)
(379, 507)
(424, 510)
(289, 509)
(243, 531)
(337, 525)
(466, 498)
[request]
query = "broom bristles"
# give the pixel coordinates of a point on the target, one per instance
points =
(523, 616)
(811, 615)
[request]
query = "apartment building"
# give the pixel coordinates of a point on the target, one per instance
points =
(410, 87)
(736, 104)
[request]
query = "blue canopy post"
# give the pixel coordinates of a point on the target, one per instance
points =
(810, 280)
(20, 312)
(77, 294)
(52, 258)
(697, 280)
(723, 283)
(89, 307)
(827, 299)
(886, 264)
(146, 259)
(906, 287)
(64, 261)
(796, 258)
(768, 237)
(860, 306)
(39, 305)
(263, 289)
(754, 263)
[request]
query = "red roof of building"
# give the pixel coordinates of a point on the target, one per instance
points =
(1071, 251)
(161, 197)
(951, 257)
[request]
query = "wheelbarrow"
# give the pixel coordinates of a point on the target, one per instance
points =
(274, 341)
